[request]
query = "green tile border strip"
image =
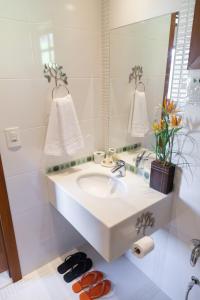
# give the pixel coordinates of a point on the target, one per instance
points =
(131, 168)
(89, 158)
(69, 164)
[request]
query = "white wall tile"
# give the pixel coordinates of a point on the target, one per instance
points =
(87, 98)
(38, 239)
(17, 58)
(125, 12)
(27, 10)
(17, 10)
(25, 102)
(152, 264)
(38, 226)
(92, 131)
(27, 191)
(28, 102)
(120, 92)
(77, 14)
(41, 10)
(77, 50)
(26, 159)
(34, 224)
(176, 268)
(69, 13)
(118, 132)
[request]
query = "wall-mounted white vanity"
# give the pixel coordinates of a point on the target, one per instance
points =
(103, 208)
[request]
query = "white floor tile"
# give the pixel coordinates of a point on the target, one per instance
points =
(5, 279)
(46, 284)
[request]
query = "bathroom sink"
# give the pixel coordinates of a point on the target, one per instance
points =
(105, 209)
(101, 185)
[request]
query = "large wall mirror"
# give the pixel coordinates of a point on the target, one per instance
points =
(150, 45)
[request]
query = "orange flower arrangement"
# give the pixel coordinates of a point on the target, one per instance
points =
(158, 126)
(175, 121)
(165, 130)
(169, 106)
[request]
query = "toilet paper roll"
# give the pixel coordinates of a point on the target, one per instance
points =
(98, 156)
(143, 246)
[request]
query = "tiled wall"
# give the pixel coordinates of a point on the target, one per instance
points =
(169, 264)
(105, 17)
(123, 12)
(31, 32)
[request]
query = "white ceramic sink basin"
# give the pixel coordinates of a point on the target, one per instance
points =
(101, 185)
(105, 209)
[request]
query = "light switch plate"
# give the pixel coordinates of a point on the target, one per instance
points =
(13, 137)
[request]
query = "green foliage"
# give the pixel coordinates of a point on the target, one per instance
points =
(165, 132)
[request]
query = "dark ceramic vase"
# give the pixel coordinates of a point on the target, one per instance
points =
(162, 177)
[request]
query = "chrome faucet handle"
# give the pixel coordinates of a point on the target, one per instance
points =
(139, 158)
(120, 162)
(121, 167)
(195, 255)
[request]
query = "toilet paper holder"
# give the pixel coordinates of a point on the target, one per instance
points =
(144, 221)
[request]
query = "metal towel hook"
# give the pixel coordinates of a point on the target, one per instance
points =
(55, 71)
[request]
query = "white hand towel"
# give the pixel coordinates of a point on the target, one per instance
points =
(130, 122)
(63, 133)
(138, 119)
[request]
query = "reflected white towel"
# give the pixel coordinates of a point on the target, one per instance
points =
(63, 133)
(130, 122)
(138, 119)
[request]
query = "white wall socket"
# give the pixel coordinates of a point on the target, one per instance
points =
(13, 137)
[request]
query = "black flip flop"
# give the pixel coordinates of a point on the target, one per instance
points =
(82, 267)
(70, 261)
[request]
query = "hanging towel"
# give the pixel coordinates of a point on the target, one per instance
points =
(130, 122)
(63, 132)
(138, 119)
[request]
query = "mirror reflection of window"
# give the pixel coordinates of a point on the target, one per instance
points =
(173, 53)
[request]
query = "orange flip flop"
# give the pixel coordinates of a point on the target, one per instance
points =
(87, 280)
(97, 291)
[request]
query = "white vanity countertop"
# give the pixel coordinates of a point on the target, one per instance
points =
(109, 211)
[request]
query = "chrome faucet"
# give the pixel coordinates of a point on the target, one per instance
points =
(121, 167)
(139, 158)
(195, 255)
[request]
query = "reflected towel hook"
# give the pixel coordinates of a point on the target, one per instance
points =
(136, 74)
(144, 221)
